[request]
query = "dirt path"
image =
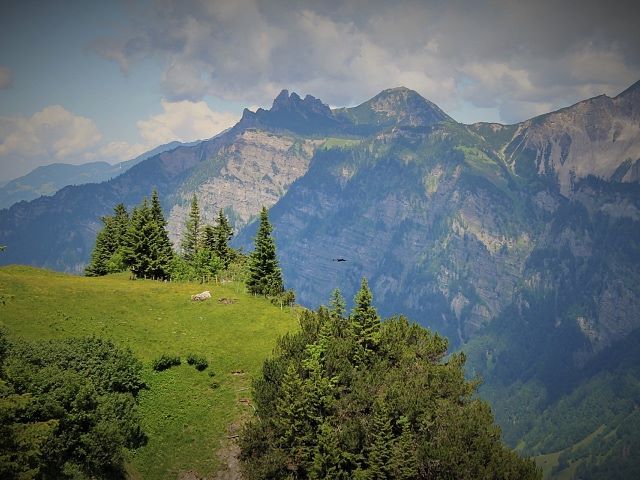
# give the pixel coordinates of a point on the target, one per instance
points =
(229, 451)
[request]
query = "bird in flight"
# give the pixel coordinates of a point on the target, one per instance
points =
(338, 260)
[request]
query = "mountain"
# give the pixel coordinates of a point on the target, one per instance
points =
(48, 179)
(521, 242)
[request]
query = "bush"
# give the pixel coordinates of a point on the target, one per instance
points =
(284, 299)
(198, 361)
(165, 361)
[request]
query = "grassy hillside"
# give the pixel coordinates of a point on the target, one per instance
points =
(185, 413)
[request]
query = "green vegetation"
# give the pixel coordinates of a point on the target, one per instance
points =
(265, 276)
(183, 412)
(68, 408)
(141, 244)
(355, 398)
(165, 361)
(198, 361)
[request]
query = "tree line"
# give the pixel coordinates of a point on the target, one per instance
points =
(139, 242)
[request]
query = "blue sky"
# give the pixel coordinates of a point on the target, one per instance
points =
(88, 80)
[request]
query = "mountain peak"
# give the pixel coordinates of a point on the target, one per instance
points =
(396, 106)
(291, 112)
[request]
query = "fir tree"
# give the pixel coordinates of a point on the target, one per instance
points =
(107, 254)
(222, 233)
(365, 323)
(381, 447)
(148, 251)
(265, 277)
(403, 461)
(191, 238)
(337, 304)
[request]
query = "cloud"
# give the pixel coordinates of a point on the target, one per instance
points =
(6, 78)
(184, 121)
(55, 135)
(540, 53)
(50, 135)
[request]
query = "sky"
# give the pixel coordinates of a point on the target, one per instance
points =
(87, 80)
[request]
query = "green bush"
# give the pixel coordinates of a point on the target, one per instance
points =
(165, 361)
(198, 361)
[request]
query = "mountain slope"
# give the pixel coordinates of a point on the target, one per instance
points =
(475, 231)
(49, 179)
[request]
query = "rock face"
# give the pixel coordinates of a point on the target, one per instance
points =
(596, 137)
(253, 170)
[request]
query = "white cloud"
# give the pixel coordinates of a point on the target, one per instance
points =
(6, 78)
(539, 53)
(50, 135)
(184, 121)
(55, 135)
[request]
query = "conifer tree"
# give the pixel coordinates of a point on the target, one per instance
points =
(293, 422)
(101, 252)
(107, 253)
(381, 448)
(191, 238)
(216, 239)
(148, 250)
(337, 304)
(161, 251)
(265, 277)
(403, 461)
(222, 234)
(365, 322)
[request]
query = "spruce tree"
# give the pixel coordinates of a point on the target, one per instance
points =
(265, 277)
(148, 250)
(222, 233)
(365, 322)
(337, 304)
(191, 237)
(403, 461)
(101, 252)
(162, 251)
(380, 451)
(107, 253)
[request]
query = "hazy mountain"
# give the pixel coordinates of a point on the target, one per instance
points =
(48, 179)
(240, 170)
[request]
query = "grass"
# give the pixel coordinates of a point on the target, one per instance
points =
(183, 416)
(335, 142)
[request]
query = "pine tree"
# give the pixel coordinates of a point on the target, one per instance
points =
(222, 235)
(265, 277)
(365, 322)
(148, 250)
(403, 462)
(161, 248)
(107, 253)
(381, 447)
(191, 238)
(337, 304)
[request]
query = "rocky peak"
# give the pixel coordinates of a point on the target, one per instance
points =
(289, 111)
(395, 106)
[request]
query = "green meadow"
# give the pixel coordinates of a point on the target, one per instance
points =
(187, 415)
